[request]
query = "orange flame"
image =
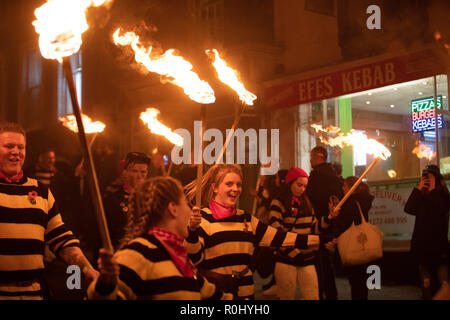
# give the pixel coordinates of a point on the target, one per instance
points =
(353, 139)
(70, 122)
(423, 152)
(229, 76)
(174, 67)
(60, 24)
(156, 127)
(392, 174)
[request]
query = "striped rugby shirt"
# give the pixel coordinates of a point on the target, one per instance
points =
(305, 223)
(29, 220)
(148, 272)
(226, 246)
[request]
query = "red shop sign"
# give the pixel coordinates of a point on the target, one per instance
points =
(399, 69)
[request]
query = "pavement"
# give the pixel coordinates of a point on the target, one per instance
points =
(387, 292)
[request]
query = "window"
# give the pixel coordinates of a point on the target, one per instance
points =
(64, 100)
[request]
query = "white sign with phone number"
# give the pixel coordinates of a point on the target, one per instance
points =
(387, 211)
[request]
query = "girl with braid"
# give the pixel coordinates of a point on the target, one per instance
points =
(221, 241)
(152, 262)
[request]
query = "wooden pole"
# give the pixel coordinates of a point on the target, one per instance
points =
(237, 118)
(353, 188)
(198, 194)
(93, 183)
(436, 122)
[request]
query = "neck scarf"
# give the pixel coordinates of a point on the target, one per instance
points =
(221, 211)
(295, 203)
(177, 251)
(15, 178)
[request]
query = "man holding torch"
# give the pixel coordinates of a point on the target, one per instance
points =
(29, 221)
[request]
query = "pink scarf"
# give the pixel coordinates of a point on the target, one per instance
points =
(13, 178)
(177, 251)
(221, 211)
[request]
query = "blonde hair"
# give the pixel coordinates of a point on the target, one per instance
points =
(148, 205)
(214, 175)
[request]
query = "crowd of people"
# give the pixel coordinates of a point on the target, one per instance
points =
(165, 247)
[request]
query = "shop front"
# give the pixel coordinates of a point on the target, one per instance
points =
(389, 98)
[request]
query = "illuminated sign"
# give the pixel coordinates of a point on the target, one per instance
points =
(422, 114)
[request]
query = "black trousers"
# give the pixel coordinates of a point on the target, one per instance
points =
(325, 275)
(357, 276)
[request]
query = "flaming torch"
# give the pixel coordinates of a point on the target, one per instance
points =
(176, 70)
(230, 77)
(356, 140)
(60, 24)
(423, 152)
(156, 127)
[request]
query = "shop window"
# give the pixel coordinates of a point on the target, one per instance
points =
(64, 100)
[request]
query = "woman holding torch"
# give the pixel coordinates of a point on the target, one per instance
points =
(152, 262)
(221, 241)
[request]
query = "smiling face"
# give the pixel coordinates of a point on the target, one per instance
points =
(299, 186)
(228, 191)
(12, 153)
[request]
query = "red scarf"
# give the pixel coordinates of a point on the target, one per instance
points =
(221, 211)
(177, 251)
(295, 203)
(13, 178)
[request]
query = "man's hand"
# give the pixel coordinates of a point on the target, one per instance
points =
(333, 213)
(195, 219)
(109, 268)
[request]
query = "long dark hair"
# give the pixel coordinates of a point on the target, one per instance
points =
(285, 197)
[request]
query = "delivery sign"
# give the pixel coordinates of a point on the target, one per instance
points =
(422, 114)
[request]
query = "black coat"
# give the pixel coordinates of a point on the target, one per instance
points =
(350, 212)
(429, 243)
(323, 183)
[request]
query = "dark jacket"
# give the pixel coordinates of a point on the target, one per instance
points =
(323, 183)
(116, 212)
(350, 212)
(429, 243)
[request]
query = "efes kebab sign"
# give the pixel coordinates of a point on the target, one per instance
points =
(350, 79)
(422, 114)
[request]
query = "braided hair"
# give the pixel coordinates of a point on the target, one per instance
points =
(148, 205)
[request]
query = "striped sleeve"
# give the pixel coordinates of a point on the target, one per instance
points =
(57, 234)
(268, 236)
(195, 245)
(276, 215)
(209, 291)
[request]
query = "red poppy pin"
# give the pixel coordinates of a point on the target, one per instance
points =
(32, 197)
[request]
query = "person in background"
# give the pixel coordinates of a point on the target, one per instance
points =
(323, 183)
(291, 211)
(152, 262)
(429, 202)
(359, 202)
(263, 259)
(135, 171)
(29, 221)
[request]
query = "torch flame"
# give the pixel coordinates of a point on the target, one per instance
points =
(353, 139)
(392, 174)
(60, 24)
(423, 152)
(174, 67)
(229, 76)
(156, 127)
(70, 122)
